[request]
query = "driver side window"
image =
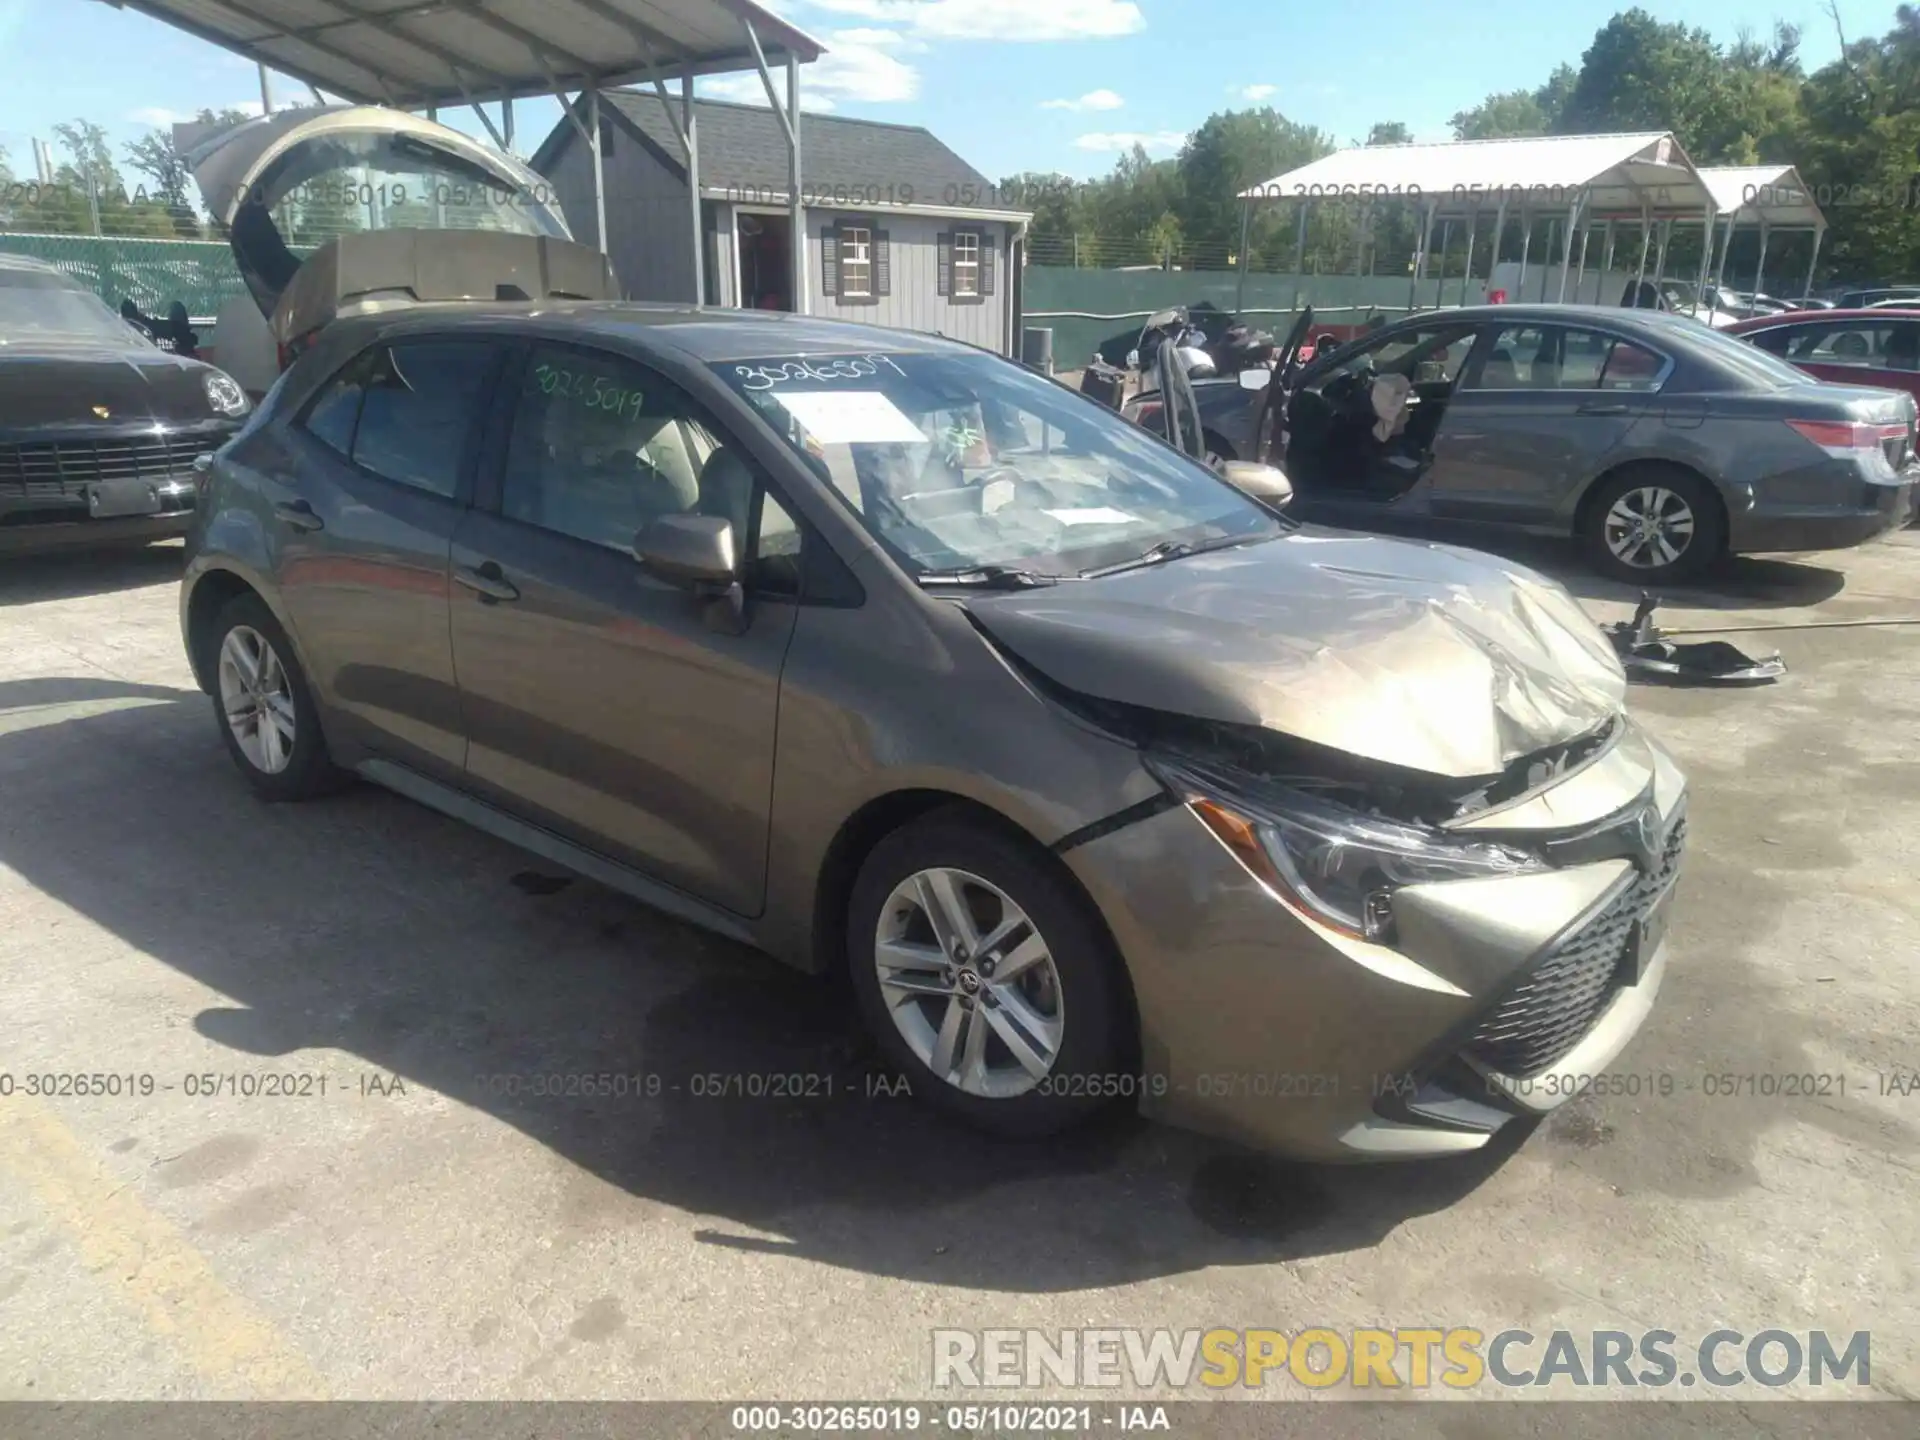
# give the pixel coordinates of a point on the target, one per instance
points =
(602, 446)
(1427, 355)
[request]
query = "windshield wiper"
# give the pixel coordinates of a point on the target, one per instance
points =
(1171, 550)
(988, 577)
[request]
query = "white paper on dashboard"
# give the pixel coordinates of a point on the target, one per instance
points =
(851, 417)
(1096, 515)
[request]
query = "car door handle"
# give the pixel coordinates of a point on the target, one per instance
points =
(486, 581)
(1601, 407)
(299, 514)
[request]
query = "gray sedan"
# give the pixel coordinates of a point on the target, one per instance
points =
(1658, 443)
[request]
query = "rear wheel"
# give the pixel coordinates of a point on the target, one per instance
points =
(1653, 525)
(263, 706)
(983, 979)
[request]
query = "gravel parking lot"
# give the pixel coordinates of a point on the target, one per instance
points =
(397, 1223)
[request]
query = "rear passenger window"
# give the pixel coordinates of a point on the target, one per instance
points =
(1629, 367)
(421, 399)
(335, 411)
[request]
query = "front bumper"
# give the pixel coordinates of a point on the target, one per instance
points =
(1264, 1027)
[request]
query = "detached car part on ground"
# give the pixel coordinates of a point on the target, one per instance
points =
(1659, 444)
(881, 653)
(100, 429)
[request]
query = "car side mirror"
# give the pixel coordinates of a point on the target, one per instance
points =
(1255, 379)
(696, 553)
(1267, 484)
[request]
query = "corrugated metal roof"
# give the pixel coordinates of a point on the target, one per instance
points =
(412, 54)
(743, 155)
(1618, 174)
(1753, 193)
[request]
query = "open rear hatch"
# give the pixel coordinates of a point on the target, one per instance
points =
(345, 207)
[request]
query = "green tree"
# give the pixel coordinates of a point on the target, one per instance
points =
(1234, 151)
(1390, 132)
(1512, 114)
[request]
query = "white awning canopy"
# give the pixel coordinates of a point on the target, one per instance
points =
(419, 54)
(1604, 175)
(1771, 195)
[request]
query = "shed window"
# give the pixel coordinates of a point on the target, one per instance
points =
(856, 261)
(966, 262)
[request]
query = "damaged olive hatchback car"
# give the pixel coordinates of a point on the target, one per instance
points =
(1096, 777)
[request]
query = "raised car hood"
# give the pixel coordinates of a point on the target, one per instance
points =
(1425, 656)
(55, 389)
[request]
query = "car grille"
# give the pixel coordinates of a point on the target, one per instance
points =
(63, 469)
(1548, 1013)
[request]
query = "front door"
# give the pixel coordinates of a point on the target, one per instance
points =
(1537, 412)
(363, 511)
(598, 701)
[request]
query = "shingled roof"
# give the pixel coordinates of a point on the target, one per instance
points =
(743, 147)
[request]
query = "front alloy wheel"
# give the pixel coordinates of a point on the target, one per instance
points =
(969, 983)
(257, 699)
(1649, 528)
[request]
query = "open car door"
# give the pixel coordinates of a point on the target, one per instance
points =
(335, 210)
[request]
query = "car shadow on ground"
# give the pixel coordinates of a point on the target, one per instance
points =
(69, 574)
(370, 926)
(1740, 582)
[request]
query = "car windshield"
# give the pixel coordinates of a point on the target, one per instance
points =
(963, 461)
(41, 309)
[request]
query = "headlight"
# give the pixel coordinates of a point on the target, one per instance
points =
(1339, 864)
(224, 393)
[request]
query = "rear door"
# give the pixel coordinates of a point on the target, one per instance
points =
(381, 473)
(599, 702)
(1535, 415)
(1857, 351)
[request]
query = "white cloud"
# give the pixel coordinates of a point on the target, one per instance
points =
(860, 65)
(161, 118)
(1148, 140)
(999, 19)
(1092, 100)
(1253, 94)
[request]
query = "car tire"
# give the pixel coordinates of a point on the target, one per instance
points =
(1688, 523)
(1065, 1005)
(264, 707)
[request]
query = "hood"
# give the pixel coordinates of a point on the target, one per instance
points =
(1424, 656)
(58, 389)
(294, 179)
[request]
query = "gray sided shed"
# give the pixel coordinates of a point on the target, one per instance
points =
(900, 231)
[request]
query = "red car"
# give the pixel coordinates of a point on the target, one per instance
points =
(1852, 347)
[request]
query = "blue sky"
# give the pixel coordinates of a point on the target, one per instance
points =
(1011, 84)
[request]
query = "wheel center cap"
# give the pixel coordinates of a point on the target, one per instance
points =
(969, 981)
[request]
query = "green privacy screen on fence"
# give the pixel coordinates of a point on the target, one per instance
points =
(153, 273)
(1087, 309)
(1091, 310)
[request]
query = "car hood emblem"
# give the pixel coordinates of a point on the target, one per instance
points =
(102, 411)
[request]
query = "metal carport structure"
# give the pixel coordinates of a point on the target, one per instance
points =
(1774, 197)
(1643, 178)
(429, 54)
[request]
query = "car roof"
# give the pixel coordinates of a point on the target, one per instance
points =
(1808, 317)
(1545, 314)
(710, 334)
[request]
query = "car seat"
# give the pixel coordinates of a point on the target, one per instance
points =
(1500, 373)
(726, 490)
(1392, 396)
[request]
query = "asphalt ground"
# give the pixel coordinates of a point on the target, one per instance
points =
(402, 1227)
